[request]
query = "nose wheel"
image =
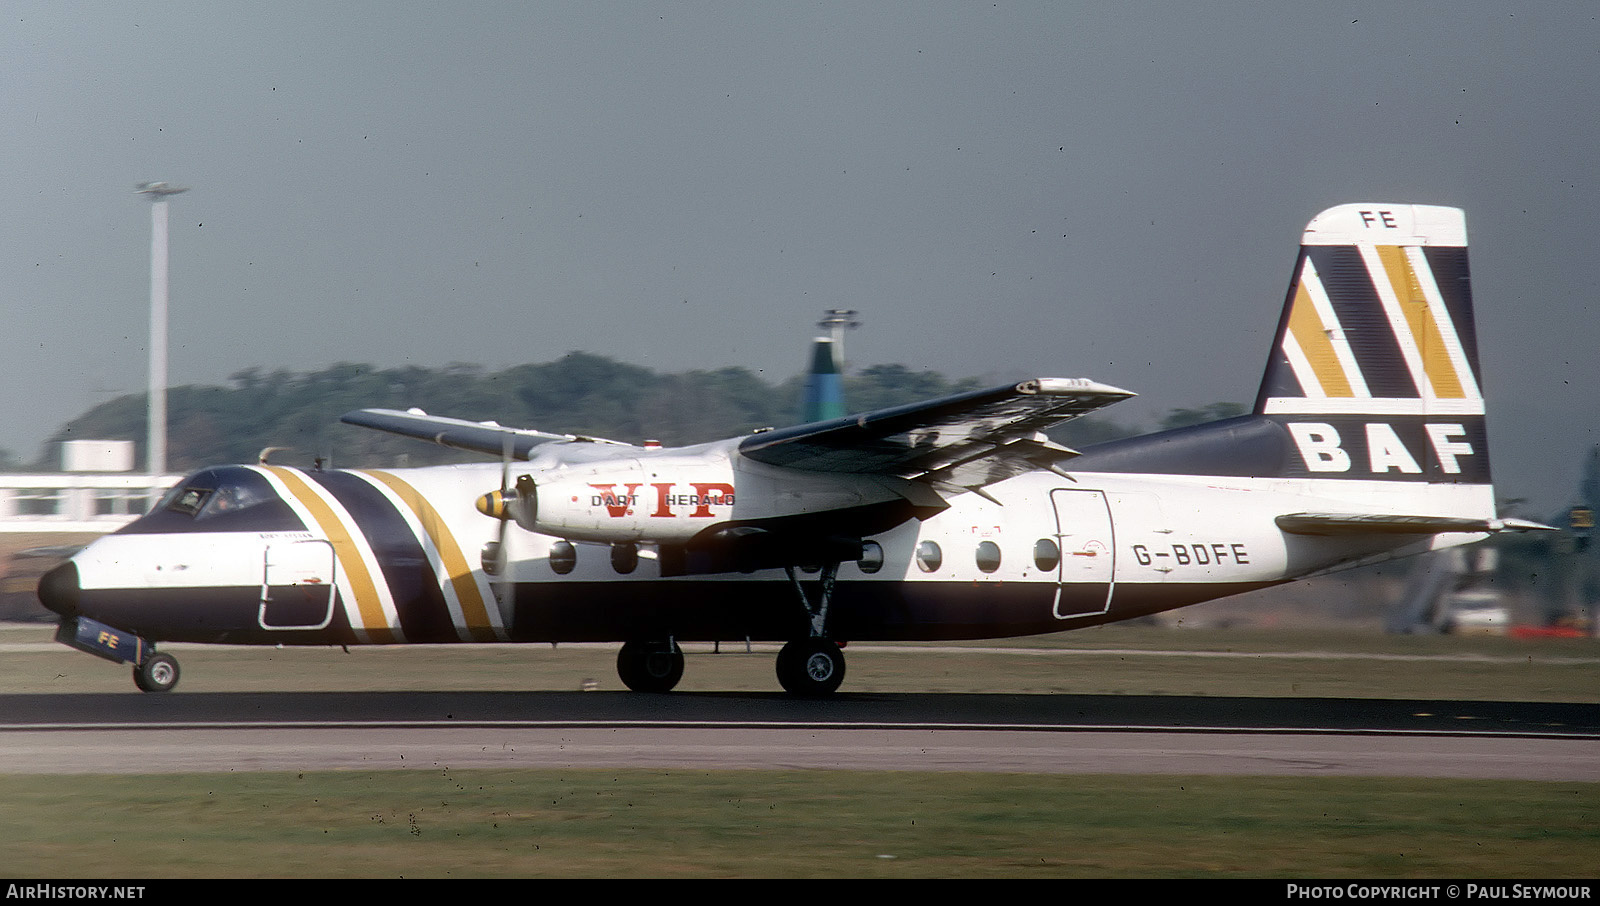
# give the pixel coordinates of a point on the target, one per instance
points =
(158, 673)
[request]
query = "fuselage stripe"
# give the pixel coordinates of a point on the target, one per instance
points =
(351, 563)
(474, 608)
(398, 551)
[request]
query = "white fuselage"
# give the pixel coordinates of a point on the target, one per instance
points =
(401, 555)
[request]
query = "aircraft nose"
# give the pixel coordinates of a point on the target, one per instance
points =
(58, 589)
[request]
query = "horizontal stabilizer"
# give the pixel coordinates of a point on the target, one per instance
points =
(479, 437)
(1398, 524)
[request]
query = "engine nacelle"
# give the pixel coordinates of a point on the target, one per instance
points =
(655, 500)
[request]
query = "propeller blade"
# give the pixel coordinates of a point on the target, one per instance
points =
(502, 558)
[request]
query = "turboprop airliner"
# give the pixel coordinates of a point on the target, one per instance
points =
(955, 518)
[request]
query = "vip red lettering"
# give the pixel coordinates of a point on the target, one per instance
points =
(663, 495)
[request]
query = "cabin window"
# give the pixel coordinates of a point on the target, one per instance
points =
(929, 557)
(1046, 554)
(871, 557)
(563, 557)
(624, 558)
(988, 556)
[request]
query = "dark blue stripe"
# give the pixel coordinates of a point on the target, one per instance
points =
(1259, 446)
(424, 616)
(1449, 264)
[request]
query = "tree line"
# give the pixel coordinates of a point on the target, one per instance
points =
(580, 393)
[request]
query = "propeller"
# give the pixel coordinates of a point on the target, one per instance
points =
(497, 505)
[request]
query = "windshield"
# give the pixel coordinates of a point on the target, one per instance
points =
(219, 499)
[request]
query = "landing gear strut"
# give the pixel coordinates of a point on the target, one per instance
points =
(650, 666)
(158, 673)
(813, 666)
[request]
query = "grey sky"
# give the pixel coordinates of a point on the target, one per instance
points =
(1111, 191)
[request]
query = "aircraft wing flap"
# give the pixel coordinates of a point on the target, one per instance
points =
(481, 437)
(968, 440)
(1397, 524)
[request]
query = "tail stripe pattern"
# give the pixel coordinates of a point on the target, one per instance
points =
(1426, 333)
(1315, 346)
(1372, 327)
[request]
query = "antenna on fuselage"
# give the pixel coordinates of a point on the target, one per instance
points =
(261, 458)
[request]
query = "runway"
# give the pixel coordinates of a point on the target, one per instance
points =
(128, 733)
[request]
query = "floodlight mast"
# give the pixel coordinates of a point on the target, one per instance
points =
(158, 193)
(836, 321)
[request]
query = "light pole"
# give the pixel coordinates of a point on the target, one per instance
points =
(836, 321)
(823, 397)
(158, 192)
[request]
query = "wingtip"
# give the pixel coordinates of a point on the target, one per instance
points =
(1072, 386)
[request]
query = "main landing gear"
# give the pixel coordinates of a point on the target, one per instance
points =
(813, 666)
(650, 666)
(158, 673)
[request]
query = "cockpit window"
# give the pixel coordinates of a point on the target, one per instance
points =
(204, 495)
(187, 501)
(219, 499)
(231, 498)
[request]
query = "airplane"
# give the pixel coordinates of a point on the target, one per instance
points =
(955, 518)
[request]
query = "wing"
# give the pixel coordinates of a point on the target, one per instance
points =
(1398, 524)
(965, 441)
(480, 437)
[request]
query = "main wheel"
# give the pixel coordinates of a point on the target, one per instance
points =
(650, 666)
(811, 667)
(158, 673)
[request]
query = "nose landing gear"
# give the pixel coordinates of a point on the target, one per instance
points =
(152, 672)
(158, 673)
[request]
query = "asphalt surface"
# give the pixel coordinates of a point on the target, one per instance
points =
(908, 711)
(131, 733)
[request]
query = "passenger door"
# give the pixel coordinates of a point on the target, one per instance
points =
(297, 585)
(1086, 574)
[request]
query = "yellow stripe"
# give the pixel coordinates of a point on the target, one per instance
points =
(473, 607)
(1419, 318)
(1312, 335)
(362, 587)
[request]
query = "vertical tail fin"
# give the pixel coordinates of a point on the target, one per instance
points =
(1374, 370)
